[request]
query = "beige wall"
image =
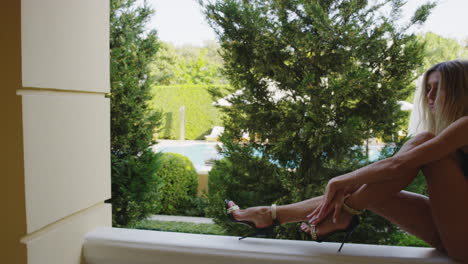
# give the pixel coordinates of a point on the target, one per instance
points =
(202, 184)
(55, 127)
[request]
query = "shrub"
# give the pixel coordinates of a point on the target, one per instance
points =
(179, 182)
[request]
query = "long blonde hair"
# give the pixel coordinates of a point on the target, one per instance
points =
(452, 95)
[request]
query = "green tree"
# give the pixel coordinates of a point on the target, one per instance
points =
(132, 120)
(188, 64)
(317, 78)
(166, 64)
(439, 49)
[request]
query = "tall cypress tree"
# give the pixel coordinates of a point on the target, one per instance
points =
(132, 120)
(317, 78)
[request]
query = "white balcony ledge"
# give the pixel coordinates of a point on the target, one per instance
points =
(107, 245)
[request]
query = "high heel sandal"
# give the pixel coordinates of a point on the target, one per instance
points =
(348, 230)
(264, 231)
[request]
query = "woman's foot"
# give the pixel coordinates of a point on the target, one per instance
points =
(327, 226)
(260, 215)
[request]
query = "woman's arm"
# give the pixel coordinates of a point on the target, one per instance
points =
(454, 137)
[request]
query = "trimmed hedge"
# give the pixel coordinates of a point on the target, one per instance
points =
(200, 114)
(178, 184)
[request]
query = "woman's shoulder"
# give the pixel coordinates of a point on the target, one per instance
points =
(463, 124)
(463, 118)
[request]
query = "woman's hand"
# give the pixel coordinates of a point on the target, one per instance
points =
(331, 199)
(335, 193)
(323, 210)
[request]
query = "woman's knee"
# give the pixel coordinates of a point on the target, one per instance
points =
(416, 141)
(422, 137)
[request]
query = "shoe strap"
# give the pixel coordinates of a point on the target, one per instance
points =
(232, 209)
(351, 210)
(313, 232)
(273, 212)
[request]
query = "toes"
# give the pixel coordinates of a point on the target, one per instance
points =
(305, 227)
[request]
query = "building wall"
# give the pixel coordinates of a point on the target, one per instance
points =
(202, 184)
(12, 216)
(56, 127)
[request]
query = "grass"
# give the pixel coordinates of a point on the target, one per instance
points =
(184, 227)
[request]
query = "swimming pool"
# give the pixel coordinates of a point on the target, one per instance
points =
(198, 151)
(201, 152)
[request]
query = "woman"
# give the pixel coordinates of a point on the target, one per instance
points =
(441, 153)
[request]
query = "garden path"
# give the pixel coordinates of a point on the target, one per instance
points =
(175, 218)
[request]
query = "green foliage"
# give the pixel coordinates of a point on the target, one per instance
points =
(198, 206)
(179, 182)
(134, 189)
(200, 113)
(183, 227)
(188, 65)
(132, 119)
(341, 67)
(165, 65)
(422, 13)
(405, 239)
(439, 49)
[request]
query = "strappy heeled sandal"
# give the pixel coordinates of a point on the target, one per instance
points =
(264, 231)
(348, 230)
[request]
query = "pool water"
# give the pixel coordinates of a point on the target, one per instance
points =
(201, 152)
(198, 151)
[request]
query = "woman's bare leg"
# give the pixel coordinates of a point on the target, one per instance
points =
(297, 212)
(291, 213)
(441, 220)
(448, 194)
(410, 211)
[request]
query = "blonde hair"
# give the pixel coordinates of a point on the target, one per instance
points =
(452, 95)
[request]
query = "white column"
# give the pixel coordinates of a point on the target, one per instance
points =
(66, 125)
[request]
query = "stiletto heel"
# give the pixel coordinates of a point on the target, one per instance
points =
(348, 230)
(265, 231)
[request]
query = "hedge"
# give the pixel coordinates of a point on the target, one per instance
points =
(200, 114)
